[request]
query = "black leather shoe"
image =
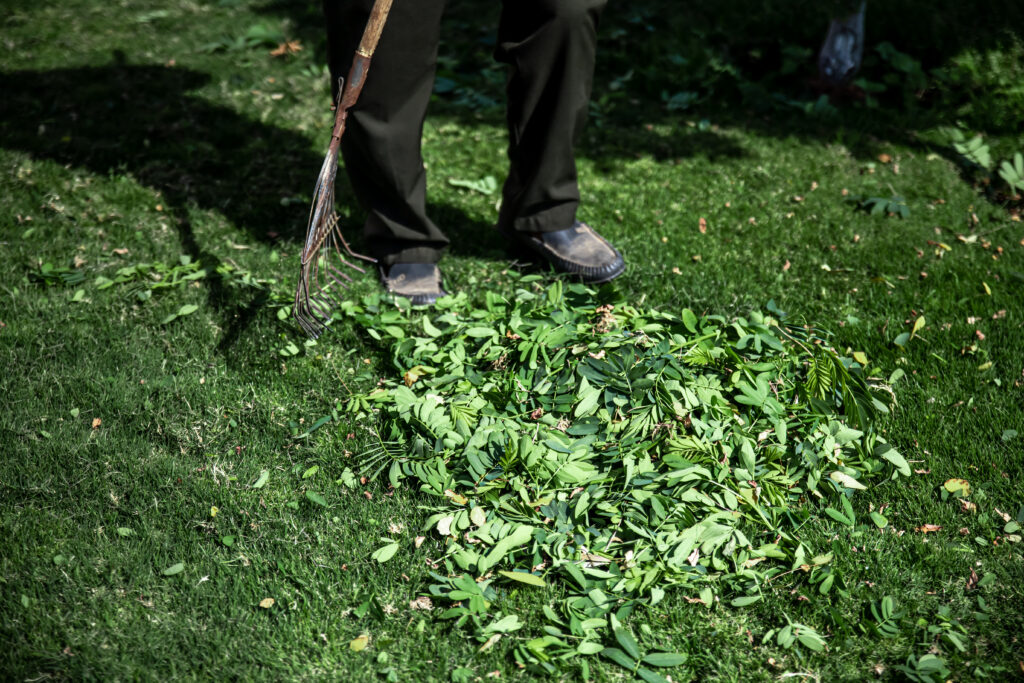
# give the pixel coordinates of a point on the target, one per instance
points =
(420, 283)
(578, 250)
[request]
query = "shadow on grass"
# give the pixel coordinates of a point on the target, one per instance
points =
(141, 120)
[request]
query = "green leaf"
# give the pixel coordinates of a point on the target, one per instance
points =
(880, 521)
(262, 480)
(894, 457)
(620, 658)
(385, 552)
(523, 577)
(228, 541)
(690, 320)
(745, 600)
(174, 569)
(812, 641)
(429, 328)
(846, 480)
(838, 516)
(311, 471)
(664, 659)
(651, 676)
(626, 641)
(505, 625)
(315, 497)
(187, 309)
(589, 647)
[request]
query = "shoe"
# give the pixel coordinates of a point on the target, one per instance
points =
(420, 283)
(578, 251)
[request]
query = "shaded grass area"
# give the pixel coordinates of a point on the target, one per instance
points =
(112, 149)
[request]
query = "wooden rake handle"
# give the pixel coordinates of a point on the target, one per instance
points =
(360, 64)
(375, 24)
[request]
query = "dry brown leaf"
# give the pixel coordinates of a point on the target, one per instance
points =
(490, 643)
(423, 602)
(702, 225)
(972, 581)
(884, 158)
(96, 422)
(925, 528)
(786, 265)
(267, 603)
(694, 601)
(288, 48)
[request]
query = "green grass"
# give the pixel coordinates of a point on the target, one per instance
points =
(105, 147)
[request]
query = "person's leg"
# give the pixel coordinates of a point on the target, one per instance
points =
(550, 46)
(381, 144)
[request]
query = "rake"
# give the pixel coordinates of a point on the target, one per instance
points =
(324, 241)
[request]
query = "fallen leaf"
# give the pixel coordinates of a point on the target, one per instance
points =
(444, 526)
(96, 422)
(958, 486)
(419, 541)
(967, 506)
(456, 498)
(694, 601)
(786, 265)
(267, 603)
(693, 557)
(287, 48)
(925, 528)
(421, 603)
(972, 581)
(918, 326)
(884, 158)
(702, 225)
(490, 642)
(359, 644)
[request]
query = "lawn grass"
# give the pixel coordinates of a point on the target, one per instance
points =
(125, 140)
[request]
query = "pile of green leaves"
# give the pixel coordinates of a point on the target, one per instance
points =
(565, 439)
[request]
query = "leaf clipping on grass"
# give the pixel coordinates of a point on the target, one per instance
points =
(540, 422)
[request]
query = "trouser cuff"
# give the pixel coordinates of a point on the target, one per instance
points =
(392, 254)
(549, 220)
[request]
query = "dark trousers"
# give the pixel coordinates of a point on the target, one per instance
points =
(549, 46)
